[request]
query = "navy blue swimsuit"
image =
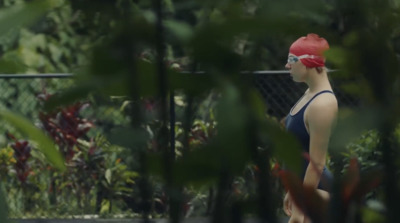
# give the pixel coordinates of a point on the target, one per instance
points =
(295, 124)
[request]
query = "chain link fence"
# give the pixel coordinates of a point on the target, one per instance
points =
(97, 181)
(281, 93)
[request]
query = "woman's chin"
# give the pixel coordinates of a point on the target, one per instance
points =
(294, 79)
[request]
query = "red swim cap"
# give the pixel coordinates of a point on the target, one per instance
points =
(313, 46)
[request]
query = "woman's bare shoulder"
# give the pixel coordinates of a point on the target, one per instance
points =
(325, 100)
(325, 106)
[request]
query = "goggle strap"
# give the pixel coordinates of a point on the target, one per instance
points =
(308, 56)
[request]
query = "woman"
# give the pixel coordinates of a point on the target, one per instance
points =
(312, 117)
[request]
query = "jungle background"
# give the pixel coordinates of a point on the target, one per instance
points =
(159, 119)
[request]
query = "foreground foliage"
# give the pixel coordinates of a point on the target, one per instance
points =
(218, 156)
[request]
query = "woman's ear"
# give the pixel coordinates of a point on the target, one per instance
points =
(318, 69)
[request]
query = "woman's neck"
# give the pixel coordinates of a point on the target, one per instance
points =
(318, 81)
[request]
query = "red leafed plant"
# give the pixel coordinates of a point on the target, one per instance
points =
(22, 152)
(65, 125)
(69, 131)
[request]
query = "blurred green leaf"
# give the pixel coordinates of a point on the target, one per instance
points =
(371, 216)
(228, 152)
(191, 83)
(182, 31)
(280, 9)
(45, 144)
(147, 78)
(213, 47)
(117, 86)
(24, 14)
(105, 206)
(106, 64)
(155, 164)
(3, 206)
(10, 66)
(69, 96)
(351, 39)
(129, 137)
(351, 124)
(234, 133)
(284, 145)
(119, 83)
(149, 16)
(108, 175)
(337, 55)
(200, 167)
(258, 106)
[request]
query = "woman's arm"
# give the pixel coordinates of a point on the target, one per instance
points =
(320, 117)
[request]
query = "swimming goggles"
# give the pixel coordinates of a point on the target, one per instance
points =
(294, 59)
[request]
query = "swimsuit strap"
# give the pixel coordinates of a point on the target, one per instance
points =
(316, 95)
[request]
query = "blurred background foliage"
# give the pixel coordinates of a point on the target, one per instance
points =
(220, 158)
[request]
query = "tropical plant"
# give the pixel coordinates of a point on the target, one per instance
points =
(132, 49)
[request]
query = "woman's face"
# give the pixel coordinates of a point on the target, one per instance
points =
(298, 71)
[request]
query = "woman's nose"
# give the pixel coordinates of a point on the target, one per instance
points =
(287, 66)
